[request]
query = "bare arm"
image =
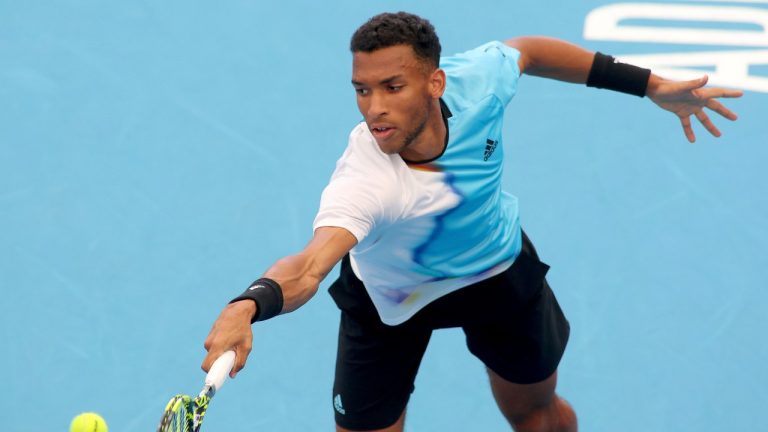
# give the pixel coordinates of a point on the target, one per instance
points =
(299, 277)
(552, 58)
(563, 61)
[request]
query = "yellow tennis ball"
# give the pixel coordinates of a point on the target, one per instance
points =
(88, 422)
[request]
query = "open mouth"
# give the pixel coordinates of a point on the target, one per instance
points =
(382, 132)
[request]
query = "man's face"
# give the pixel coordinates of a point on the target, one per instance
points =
(394, 94)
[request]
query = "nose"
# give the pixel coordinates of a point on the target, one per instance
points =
(376, 105)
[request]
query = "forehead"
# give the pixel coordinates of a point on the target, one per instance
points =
(389, 61)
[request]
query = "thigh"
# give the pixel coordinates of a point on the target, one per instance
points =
(376, 367)
(523, 334)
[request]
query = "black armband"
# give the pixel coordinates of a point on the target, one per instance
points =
(609, 74)
(268, 297)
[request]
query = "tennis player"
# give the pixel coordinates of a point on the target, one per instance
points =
(425, 235)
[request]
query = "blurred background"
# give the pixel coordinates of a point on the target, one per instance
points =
(156, 157)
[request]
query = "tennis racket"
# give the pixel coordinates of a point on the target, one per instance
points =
(184, 414)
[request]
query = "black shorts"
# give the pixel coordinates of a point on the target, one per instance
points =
(512, 322)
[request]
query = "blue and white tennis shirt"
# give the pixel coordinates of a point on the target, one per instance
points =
(425, 230)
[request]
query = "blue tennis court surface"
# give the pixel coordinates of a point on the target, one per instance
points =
(155, 157)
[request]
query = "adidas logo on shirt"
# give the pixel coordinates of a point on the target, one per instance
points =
(490, 146)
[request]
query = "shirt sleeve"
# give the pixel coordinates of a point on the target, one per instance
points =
(504, 59)
(342, 205)
(490, 69)
(358, 197)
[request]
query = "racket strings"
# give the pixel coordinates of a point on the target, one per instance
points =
(184, 414)
(178, 415)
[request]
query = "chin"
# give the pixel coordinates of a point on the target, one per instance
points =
(389, 149)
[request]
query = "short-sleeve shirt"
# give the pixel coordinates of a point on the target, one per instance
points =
(425, 230)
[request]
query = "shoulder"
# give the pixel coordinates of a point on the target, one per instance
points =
(490, 69)
(359, 131)
(362, 148)
(365, 186)
(363, 164)
(487, 56)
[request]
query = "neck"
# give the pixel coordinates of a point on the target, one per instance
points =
(431, 142)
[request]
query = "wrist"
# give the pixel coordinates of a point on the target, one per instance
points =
(267, 295)
(654, 81)
(245, 307)
(607, 73)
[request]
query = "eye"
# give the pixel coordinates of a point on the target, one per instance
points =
(394, 88)
(361, 91)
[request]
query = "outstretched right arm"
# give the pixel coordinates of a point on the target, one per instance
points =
(298, 275)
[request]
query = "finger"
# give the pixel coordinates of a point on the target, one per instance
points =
(716, 92)
(686, 122)
(704, 119)
(209, 359)
(695, 83)
(719, 108)
(208, 341)
(241, 356)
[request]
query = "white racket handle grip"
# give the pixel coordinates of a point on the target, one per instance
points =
(220, 369)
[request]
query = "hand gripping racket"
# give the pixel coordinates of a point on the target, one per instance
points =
(184, 414)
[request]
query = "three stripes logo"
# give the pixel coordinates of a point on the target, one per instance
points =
(490, 146)
(338, 406)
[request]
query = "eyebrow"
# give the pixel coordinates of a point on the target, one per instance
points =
(384, 81)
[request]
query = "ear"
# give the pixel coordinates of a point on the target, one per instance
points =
(437, 83)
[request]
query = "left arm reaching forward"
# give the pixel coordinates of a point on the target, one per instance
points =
(563, 61)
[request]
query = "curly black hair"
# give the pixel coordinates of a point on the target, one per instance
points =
(401, 28)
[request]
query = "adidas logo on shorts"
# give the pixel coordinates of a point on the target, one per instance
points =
(337, 405)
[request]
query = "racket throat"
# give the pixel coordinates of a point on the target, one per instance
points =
(207, 392)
